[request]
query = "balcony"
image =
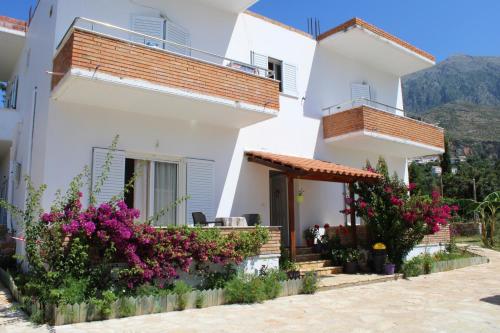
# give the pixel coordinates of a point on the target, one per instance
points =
(363, 42)
(105, 66)
(12, 39)
(371, 126)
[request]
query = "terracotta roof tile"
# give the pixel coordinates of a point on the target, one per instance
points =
(308, 165)
(12, 23)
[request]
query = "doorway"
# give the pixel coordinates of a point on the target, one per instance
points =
(279, 204)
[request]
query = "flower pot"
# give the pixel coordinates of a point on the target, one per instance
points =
(310, 242)
(379, 259)
(299, 198)
(389, 269)
(351, 267)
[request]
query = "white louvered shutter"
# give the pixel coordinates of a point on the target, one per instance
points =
(200, 188)
(177, 34)
(260, 60)
(290, 80)
(115, 181)
(151, 26)
(360, 91)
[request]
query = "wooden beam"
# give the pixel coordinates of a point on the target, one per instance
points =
(291, 216)
(277, 166)
(353, 215)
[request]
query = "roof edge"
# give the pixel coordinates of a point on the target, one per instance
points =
(278, 23)
(370, 27)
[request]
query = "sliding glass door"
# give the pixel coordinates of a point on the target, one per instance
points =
(165, 192)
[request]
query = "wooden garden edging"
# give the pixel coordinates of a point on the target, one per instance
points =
(448, 265)
(129, 306)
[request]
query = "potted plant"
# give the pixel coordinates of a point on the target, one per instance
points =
(300, 196)
(292, 271)
(379, 257)
(351, 257)
(310, 234)
(389, 268)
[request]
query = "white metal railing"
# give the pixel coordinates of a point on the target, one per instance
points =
(131, 36)
(354, 103)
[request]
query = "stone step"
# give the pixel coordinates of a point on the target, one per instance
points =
(307, 257)
(323, 271)
(304, 250)
(313, 264)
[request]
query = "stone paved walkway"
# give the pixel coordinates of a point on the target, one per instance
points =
(464, 300)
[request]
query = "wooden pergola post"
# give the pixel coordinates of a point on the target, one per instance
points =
(353, 215)
(291, 216)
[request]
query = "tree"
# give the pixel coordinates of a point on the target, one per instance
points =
(489, 210)
(445, 158)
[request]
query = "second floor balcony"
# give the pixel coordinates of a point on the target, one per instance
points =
(364, 124)
(110, 67)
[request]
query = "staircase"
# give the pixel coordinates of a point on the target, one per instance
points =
(312, 262)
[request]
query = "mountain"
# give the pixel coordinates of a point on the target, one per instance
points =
(474, 80)
(462, 95)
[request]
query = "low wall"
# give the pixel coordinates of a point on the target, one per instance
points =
(440, 237)
(465, 229)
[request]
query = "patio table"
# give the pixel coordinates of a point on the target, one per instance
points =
(232, 221)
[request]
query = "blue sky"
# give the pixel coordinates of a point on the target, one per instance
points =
(441, 27)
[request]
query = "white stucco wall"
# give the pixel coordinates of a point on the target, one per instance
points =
(66, 133)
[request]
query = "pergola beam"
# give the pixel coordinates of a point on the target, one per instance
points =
(291, 216)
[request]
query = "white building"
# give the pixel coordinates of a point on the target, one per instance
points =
(190, 87)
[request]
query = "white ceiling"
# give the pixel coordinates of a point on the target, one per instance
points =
(123, 97)
(367, 47)
(11, 46)
(382, 146)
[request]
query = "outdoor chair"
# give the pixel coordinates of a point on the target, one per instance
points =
(200, 219)
(252, 219)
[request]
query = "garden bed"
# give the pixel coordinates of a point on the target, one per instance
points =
(441, 262)
(128, 306)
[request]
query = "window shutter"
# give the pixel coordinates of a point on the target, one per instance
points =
(151, 26)
(177, 34)
(259, 60)
(290, 80)
(13, 98)
(115, 182)
(360, 91)
(200, 188)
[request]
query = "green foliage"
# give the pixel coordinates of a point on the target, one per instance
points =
(310, 283)
(245, 289)
(71, 291)
(413, 267)
(125, 308)
(200, 300)
(272, 285)
(489, 210)
(216, 279)
(285, 262)
(181, 289)
(253, 288)
(384, 217)
(249, 243)
(103, 304)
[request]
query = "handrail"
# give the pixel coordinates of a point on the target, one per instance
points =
(257, 69)
(357, 102)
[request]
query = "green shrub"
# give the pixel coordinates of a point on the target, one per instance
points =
(272, 283)
(245, 289)
(71, 291)
(200, 300)
(413, 267)
(181, 289)
(103, 304)
(310, 283)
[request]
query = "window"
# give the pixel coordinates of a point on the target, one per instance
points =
(156, 187)
(276, 66)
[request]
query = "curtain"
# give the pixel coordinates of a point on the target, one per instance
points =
(165, 192)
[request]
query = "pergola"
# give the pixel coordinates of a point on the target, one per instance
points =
(311, 169)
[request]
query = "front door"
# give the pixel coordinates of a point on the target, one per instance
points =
(279, 204)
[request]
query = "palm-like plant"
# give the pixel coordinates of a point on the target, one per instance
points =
(489, 210)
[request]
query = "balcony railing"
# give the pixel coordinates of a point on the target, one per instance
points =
(156, 43)
(354, 103)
